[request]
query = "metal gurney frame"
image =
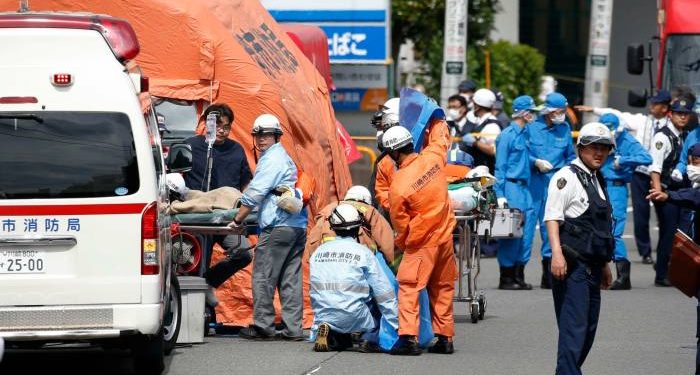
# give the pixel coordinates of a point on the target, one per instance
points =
(469, 265)
(218, 226)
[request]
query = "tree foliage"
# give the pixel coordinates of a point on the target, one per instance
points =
(515, 69)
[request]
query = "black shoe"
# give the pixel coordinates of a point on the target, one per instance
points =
(285, 337)
(647, 260)
(254, 333)
(623, 276)
(369, 347)
(507, 279)
(520, 277)
(323, 338)
(408, 346)
(442, 346)
(662, 283)
(546, 282)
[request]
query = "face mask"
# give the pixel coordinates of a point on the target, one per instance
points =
(453, 114)
(559, 119)
(694, 173)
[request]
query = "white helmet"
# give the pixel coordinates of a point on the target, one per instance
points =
(484, 98)
(176, 184)
(345, 217)
(358, 193)
(487, 179)
(390, 119)
(391, 106)
(266, 124)
(396, 137)
(595, 132)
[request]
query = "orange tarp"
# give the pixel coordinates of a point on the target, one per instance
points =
(232, 51)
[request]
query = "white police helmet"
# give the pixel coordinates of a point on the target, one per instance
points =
(595, 132)
(358, 193)
(391, 106)
(484, 98)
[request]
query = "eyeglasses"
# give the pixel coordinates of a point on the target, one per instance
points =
(224, 129)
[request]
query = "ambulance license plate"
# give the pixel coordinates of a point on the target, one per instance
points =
(22, 261)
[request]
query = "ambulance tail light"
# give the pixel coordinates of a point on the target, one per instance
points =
(150, 263)
(62, 79)
(117, 32)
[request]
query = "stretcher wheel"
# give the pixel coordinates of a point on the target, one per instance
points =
(482, 306)
(475, 312)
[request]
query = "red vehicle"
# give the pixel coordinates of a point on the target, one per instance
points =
(679, 50)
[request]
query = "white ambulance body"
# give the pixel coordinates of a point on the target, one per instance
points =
(84, 237)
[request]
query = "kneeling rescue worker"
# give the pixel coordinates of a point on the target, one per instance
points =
(423, 220)
(578, 215)
(349, 290)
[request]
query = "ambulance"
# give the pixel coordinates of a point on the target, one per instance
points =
(84, 233)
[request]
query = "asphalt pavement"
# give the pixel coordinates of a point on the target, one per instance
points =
(647, 330)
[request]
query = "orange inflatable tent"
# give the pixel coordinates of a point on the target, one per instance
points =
(232, 51)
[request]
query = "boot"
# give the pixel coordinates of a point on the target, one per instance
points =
(623, 276)
(546, 282)
(408, 346)
(507, 280)
(443, 345)
(520, 277)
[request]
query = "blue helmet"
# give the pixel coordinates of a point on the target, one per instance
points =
(523, 103)
(610, 120)
(553, 102)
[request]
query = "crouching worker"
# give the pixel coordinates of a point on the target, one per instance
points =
(349, 290)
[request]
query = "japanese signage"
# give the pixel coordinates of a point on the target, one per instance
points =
(39, 225)
(357, 30)
(454, 54)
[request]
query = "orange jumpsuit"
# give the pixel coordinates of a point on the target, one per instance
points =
(377, 236)
(424, 221)
(385, 173)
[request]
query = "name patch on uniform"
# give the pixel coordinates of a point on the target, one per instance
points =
(561, 182)
(659, 145)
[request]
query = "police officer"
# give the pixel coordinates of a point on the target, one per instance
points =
(482, 121)
(643, 126)
(617, 171)
(665, 152)
(551, 148)
(579, 220)
(512, 179)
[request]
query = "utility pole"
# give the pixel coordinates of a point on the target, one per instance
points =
(598, 61)
(454, 58)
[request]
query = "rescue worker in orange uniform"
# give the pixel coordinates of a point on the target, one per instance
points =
(423, 221)
(375, 233)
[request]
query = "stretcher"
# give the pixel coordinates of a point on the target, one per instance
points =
(205, 224)
(468, 251)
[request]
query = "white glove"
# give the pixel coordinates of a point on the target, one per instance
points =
(468, 140)
(543, 165)
(288, 201)
(502, 202)
(616, 163)
(676, 175)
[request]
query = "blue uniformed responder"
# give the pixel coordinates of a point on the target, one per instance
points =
(665, 152)
(578, 216)
(512, 178)
(617, 171)
(551, 148)
(349, 290)
(644, 126)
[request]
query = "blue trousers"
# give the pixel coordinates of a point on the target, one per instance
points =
(511, 252)
(669, 219)
(640, 189)
(577, 307)
(539, 183)
(618, 199)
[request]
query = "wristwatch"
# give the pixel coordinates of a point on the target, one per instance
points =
(237, 222)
